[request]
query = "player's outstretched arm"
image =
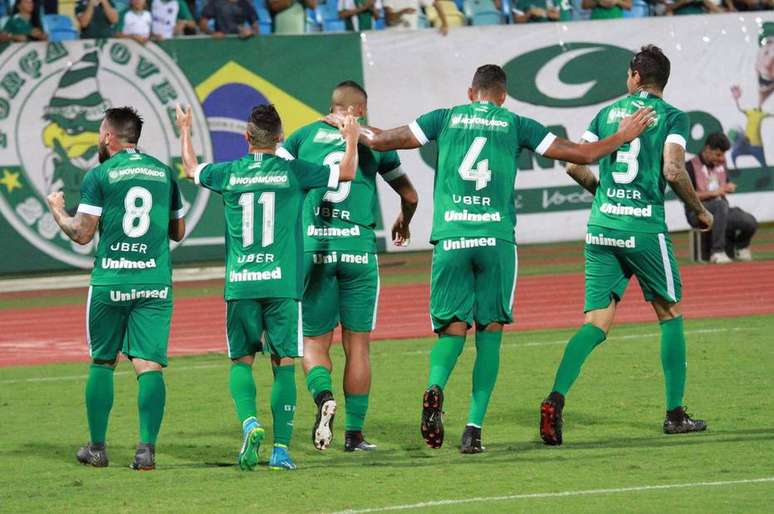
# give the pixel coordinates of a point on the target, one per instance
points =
(80, 228)
(630, 128)
(350, 129)
(401, 234)
(400, 138)
(183, 118)
(583, 176)
(677, 176)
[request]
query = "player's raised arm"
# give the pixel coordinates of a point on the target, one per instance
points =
(630, 127)
(80, 228)
(677, 176)
(350, 129)
(183, 118)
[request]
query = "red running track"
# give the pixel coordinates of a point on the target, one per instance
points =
(57, 334)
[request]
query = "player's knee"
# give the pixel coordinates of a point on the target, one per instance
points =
(455, 328)
(245, 359)
(491, 327)
(103, 362)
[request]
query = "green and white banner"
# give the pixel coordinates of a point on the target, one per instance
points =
(562, 75)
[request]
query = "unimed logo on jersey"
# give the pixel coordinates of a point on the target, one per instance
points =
(569, 75)
(52, 100)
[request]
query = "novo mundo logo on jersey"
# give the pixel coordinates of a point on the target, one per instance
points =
(569, 75)
(52, 100)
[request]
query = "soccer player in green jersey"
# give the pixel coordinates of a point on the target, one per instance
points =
(474, 259)
(134, 200)
(627, 235)
(263, 197)
(342, 272)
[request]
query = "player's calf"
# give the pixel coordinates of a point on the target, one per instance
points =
(551, 419)
(432, 417)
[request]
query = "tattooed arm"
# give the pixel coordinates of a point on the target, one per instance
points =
(677, 176)
(80, 228)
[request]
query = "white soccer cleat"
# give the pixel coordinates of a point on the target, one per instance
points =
(719, 258)
(743, 254)
(323, 432)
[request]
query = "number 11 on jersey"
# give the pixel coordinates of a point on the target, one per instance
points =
(247, 201)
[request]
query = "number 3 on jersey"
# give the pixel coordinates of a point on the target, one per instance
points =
(480, 174)
(628, 158)
(247, 201)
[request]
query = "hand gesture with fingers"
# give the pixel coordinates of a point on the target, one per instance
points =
(183, 118)
(632, 126)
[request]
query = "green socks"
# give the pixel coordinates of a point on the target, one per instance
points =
(484, 374)
(443, 358)
(673, 360)
(151, 397)
(242, 386)
(576, 352)
(283, 402)
(99, 400)
(318, 380)
(356, 407)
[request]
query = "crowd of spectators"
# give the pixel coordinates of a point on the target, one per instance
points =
(145, 20)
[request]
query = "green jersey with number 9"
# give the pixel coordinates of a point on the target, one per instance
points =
(631, 188)
(263, 196)
(135, 196)
(478, 149)
(343, 219)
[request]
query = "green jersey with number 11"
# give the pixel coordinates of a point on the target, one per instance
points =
(631, 188)
(135, 196)
(478, 149)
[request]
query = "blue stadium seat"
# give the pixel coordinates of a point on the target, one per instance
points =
(264, 18)
(482, 12)
(331, 22)
(59, 27)
(314, 21)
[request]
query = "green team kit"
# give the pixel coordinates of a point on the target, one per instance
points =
(341, 267)
(262, 196)
(129, 307)
(474, 212)
(627, 234)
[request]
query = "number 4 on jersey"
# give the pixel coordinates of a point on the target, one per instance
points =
(480, 174)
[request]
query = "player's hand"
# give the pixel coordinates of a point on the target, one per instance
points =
(350, 129)
(705, 220)
(401, 234)
(634, 125)
(334, 119)
(184, 118)
(56, 201)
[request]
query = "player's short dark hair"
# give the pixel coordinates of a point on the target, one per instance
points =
(489, 77)
(125, 123)
(264, 126)
(351, 84)
(652, 65)
(718, 141)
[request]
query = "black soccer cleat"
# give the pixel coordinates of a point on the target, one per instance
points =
(322, 431)
(355, 442)
(144, 457)
(551, 419)
(432, 416)
(471, 440)
(679, 422)
(93, 455)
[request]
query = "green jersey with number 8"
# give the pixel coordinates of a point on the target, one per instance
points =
(343, 219)
(630, 195)
(135, 196)
(478, 149)
(263, 196)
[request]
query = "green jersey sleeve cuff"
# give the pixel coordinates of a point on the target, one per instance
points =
(198, 172)
(546, 143)
(590, 137)
(676, 139)
(94, 210)
(333, 178)
(394, 174)
(284, 154)
(418, 133)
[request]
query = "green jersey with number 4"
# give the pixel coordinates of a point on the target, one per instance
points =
(263, 196)
(135, 196)
(478, 148)
(631, 188)
(343, 219)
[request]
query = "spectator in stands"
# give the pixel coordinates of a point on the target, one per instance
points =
(170, 18)
(684, 7)
(733, 228)
(530, 11)
(21, 26)
(231, 17)
(135, 22)
(359, 15)
(404, 14)
(606, 9)
(96, 18)
(289, 16)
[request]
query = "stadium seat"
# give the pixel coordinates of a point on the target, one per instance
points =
(313, 20)
(482, 12)
(380, 24)
(454, 16)
(264, 18)
(59, 28)
(329, 12)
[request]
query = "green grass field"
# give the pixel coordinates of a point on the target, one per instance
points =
(612, 435)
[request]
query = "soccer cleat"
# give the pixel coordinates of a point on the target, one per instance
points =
(252, 436)
(471, 440)
(551, 419)
(144, 457)
(679, 422)
(322, 432)
(355, 442)
(432, 416)
(280, 458)
(93, 455)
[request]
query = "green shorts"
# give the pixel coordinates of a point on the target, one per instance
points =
(473, 279)
(132, 319)
(613, 256)
(340, 287)
(278, 319)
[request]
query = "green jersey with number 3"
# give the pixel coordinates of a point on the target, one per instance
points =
(263, 196)
(343, 219)
(135, 196)
(478, 149)
(631, 188)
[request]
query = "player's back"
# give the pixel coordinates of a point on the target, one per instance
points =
(631, 188)
(135, 195)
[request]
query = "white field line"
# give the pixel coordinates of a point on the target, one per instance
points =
(559, 494)
(407, 352)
